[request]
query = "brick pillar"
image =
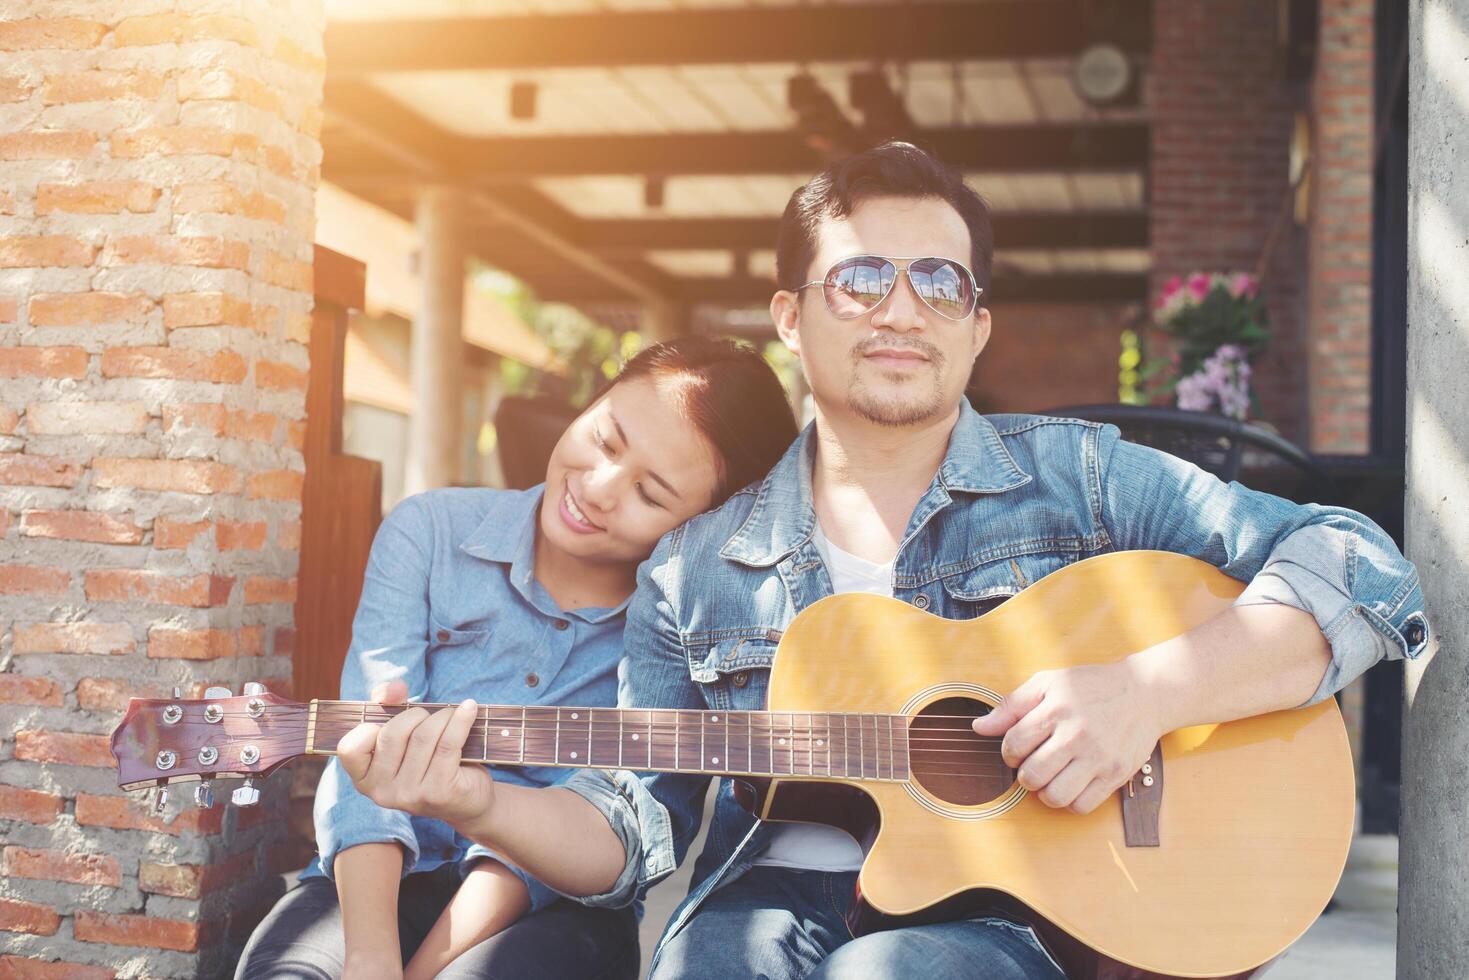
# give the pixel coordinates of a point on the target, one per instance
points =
(1222, 115)
(157, 172)
(1341, 230)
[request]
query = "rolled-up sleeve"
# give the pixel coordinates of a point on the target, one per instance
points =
(1331, 562)
(389, 641)
(657, 815)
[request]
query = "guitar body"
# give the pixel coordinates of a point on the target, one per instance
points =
(1255, 818)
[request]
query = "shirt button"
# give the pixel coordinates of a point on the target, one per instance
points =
(443, 636)
(531, 680)
(742, 678)
(561, 624)
(921, 601)
(1414, 636)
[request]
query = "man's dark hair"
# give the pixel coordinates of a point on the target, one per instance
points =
(893, 169)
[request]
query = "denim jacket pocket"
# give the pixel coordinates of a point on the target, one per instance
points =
(980, 589)
(733, 666)
(441, 636)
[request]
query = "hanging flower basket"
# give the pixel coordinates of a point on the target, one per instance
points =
(1217, 321)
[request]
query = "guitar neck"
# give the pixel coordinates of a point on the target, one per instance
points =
(813, 745)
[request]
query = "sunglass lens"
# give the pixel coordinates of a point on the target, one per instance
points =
(856, 285)
(943, 285)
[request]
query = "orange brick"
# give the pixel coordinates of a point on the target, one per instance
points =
(275, 485)
(263, 589)
(132, 813)
(78, 309)
(19, 689)
(221, 367)
(102, 86)
(33, 580)
(38, 920)
(48, 145)
(281, 270)
(9, 420)
(36, 34)
(181, 28)
(29, 805)
(50, 865)
(24, 968)
(175, 140)
(18, 469)
(224, 198)
(42, 362)
(296, 434)
(113, 693)
(81, 525)
(135, 930)
(64, 748)
(205, 251)
(44, 251)
(106, 639)
(290, 53)
(98, 197)
(222, 421)
(178, 475)
(206, 310)
(281, 162)
(168, 643)
(141, 585)
(252, 641)
(9, 308)
(15, 88)
(86, 418)
(170, 535)
(221, 83)
(298, 327)
(279, 377)
(310, 124)
(289, 536)
(239, 535)
(193, 880)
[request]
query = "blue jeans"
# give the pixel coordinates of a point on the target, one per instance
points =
(782, 924)
(301, 937)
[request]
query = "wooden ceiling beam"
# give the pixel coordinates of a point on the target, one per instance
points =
(892, 31)
(1108, 229)
(1087, 147)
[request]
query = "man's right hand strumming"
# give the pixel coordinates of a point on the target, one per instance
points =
(412, 763)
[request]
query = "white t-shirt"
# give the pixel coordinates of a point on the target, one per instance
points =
(816, 847)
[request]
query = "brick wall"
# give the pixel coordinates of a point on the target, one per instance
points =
(157, 168)
(1222, 115)
(1341, 229)
(1046, 355)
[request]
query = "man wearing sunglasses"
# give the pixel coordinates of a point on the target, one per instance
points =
(900, 488)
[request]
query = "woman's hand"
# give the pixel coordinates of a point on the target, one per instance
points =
(412, 762)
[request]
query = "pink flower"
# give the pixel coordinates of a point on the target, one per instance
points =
(1242, 284)
(1198, 286)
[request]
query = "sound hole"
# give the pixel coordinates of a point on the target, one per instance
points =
(949, 760)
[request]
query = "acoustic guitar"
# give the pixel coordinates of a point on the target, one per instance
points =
(1215, 857)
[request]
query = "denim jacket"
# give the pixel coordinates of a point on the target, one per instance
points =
(1016, 498)
(450, 605)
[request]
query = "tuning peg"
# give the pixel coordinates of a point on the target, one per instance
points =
(160, 799)
(218, 692)
(246, 795)
(253, 688)
(178, 693)
(204, 795)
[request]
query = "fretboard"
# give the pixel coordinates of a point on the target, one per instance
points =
(756, 743)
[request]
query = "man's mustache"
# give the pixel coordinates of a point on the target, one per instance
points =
(918, 346)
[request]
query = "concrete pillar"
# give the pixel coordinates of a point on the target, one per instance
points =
(437, 352)
(1433, 882)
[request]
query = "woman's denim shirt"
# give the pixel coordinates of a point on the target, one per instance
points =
(450, 605)
(1016, 498)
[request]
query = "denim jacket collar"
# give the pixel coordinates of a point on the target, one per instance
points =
(784, 516)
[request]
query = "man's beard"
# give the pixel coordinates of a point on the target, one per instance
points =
(899, 411)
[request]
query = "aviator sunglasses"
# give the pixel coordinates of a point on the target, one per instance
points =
(859, 283)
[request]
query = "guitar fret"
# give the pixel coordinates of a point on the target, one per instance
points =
(522, 736)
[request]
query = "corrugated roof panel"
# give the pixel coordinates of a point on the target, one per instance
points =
(743, 97)
(693, 262)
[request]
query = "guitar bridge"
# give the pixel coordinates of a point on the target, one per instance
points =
(1141, 800)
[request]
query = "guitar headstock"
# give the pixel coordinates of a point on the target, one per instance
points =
(166, 740)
